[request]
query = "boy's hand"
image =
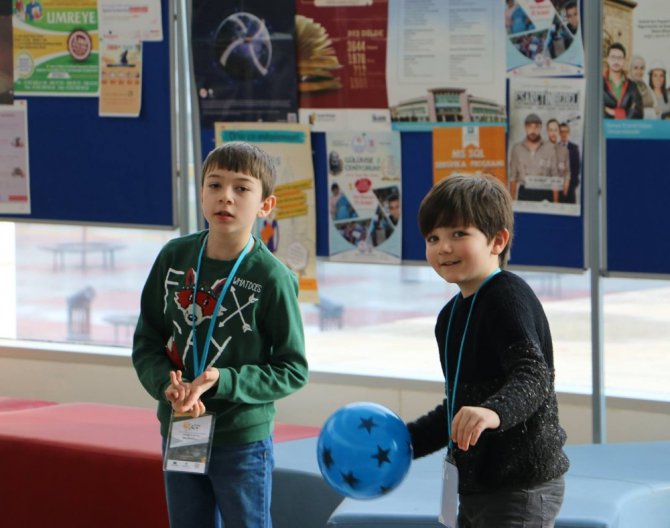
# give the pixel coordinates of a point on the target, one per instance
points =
(197, 388)
(469, 423)
(178, 389)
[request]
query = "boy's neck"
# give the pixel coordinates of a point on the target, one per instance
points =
(221, 247)
(469, 289)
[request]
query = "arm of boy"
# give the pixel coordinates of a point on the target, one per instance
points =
(469, 423)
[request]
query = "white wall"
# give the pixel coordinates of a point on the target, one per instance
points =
(64, 374)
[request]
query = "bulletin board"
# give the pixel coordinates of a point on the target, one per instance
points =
(106, 170)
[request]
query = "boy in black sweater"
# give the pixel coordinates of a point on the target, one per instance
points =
(499, 418)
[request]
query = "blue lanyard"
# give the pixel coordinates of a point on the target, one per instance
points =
(199, 363)
(451, 402)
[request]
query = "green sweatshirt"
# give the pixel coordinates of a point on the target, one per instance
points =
(257, 345)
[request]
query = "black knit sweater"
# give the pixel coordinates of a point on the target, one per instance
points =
(507, 366)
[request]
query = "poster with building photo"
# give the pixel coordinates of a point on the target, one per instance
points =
(341, 48)
(445, 63)
(546, 145)
(364, 196)
(290, 230)
(544, 38)
(244, 60)
(636, 37)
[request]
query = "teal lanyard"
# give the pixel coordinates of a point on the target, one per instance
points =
(450, 403)
(199, 363)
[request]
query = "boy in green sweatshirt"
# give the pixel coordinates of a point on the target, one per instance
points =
(220, 332)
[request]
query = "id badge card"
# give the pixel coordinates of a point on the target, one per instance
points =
(189, 443)
(449, 507)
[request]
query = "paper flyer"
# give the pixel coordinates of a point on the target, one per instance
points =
(244, 60)
(290, 230)
(546, 144)
(364, 196)
(141, 18)
(14, 172)
(445, 63)
(120, 76)
(341, 47)
(56, 47)
(469, 149)
(544, 38)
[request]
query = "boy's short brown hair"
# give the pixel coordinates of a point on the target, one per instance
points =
(238, 156)
(480, 201)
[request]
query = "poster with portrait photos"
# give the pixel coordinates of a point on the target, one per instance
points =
(546, 131)
(544, 38)
(364, 196)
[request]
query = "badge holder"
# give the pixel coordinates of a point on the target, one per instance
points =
(449, 507)
(189, 443)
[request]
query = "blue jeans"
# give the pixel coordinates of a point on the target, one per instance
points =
(235, 493)
(535, 507)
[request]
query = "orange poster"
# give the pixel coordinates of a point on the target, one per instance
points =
(470, 149)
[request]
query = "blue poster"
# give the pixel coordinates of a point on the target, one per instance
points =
(244, 60)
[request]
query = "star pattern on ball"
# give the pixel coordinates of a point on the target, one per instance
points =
(367, 424)
(327, 457)
(382, 456)
(350, 479)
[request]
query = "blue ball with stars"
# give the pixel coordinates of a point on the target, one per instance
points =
(364, 450)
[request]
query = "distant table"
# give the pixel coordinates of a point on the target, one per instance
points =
(127, 320)
(106, 249)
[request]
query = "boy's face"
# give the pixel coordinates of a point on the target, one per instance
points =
(463, 256)
(231, 202)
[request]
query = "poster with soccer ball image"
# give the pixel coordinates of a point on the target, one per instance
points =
(244, 60)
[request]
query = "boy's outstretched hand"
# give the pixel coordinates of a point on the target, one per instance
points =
(185, 396)
(469, 423)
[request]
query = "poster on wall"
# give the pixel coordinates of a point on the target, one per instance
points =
(14, 173)
(364, 196)
(636, 37)
(445, 63)
(470, 149)
(243, 54)
(341, 48)
(546, 145)
(120, 76)
(56, 47)
(6, 54)
(544, 38)
(141, 18)
(290, 230)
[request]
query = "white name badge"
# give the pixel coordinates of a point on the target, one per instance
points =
(449, 508)
(189, 443)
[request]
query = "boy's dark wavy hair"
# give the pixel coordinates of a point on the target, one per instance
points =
(463, 201)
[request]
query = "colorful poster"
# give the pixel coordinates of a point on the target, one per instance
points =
(244, 60)
(290, 230)
(445, 63)
(120, 76)
(635, 42)
(342, 64)
(470, 149)
(544, 38)
(364, 196)
(546, 145)
(56, 47)
(6, 55)
(14, 173)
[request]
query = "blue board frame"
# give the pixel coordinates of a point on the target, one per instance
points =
(103, 170)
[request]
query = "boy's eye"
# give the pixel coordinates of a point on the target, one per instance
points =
(459, 234)
(242, 188)
(431, 239)
(213, 185)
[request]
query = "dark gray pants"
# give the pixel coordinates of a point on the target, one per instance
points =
(535, 507)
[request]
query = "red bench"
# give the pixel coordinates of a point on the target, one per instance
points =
(85, 464)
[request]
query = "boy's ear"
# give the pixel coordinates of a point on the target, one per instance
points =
(267, 205)
(500, 240)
